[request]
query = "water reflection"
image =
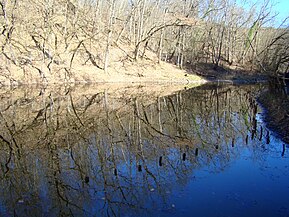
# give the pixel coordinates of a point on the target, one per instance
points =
(275, 101)
(106, 151)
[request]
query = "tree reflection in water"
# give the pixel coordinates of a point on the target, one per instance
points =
(90, 151)
(276, 103)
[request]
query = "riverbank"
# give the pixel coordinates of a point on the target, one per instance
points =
(145, 71)
(71, 42)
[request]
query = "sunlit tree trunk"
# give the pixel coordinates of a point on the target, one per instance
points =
(109, 34)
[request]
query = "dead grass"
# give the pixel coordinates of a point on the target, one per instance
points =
(143, 71)
(74, 59)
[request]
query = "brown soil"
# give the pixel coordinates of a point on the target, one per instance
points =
(143, 71)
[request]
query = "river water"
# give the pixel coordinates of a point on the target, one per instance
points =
(140, 151)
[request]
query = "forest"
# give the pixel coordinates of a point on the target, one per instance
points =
(60, 38)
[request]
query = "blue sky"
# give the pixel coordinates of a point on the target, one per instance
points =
(278, 6)
(282, 7)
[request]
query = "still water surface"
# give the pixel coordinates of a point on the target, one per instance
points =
(140, 151)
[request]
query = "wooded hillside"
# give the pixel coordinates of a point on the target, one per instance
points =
(59, 38)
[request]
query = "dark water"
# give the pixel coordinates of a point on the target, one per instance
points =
(275, 103)
(92, 151)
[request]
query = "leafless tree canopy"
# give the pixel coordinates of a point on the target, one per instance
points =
(58, 36)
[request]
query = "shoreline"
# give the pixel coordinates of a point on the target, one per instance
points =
(244, 81)
(144, 72)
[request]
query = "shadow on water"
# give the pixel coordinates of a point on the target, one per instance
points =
(103, 151)
(275, 101)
